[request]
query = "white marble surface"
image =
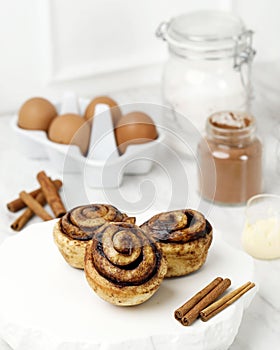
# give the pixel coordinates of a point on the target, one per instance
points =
(260, 328)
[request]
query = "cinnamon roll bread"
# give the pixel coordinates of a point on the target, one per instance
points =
(73, 231)
(122, 265)
(184, 236)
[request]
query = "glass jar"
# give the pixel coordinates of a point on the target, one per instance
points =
(232, 144)
(209, 66)
(261, 234)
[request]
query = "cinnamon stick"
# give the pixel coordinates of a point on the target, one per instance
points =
(18, 204)
(181, 311)
(35, 206)
(51, 194)
(192, 315)
(225, 301)
(23, 219)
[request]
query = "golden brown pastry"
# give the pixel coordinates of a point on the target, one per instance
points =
(122, 265)
(185, 237)
(73, 231)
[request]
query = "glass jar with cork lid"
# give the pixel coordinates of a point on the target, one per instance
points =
(232, 144)
(209, 64)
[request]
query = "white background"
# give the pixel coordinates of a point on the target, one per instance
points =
(100, 46)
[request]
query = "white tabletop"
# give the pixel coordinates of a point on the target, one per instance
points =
(260, 325)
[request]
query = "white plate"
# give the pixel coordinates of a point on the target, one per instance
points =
(46, 304)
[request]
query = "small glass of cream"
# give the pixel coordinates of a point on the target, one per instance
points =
(261, 234)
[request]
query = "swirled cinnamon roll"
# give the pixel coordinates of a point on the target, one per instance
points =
(73, 231)
(184, 236)
(122, 265)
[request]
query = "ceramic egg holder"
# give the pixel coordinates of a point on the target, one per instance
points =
(103, 167)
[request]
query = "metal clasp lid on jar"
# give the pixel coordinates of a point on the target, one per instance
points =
(243, 54)
(210, 35)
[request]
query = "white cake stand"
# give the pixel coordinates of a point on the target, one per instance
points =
(45, 304)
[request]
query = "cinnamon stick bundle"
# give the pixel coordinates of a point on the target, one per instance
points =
(23, 219)
(225, 301)
(51, 194)
(181, 311)
(208, 299)
(35, 206)
(18, 204)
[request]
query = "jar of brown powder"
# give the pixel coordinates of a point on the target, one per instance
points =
(232, 146)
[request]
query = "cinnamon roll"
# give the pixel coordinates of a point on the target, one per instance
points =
(73, 231)
(122, 265)
(184, 236)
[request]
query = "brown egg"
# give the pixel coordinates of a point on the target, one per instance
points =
(115, 110)
(134, 128)
(36, 114)
(70, 129)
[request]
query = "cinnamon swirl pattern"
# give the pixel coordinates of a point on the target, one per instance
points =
(184, 236)
(122, 265)
(73, 231)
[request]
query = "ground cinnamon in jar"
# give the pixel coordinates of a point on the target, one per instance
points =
(232, 145)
